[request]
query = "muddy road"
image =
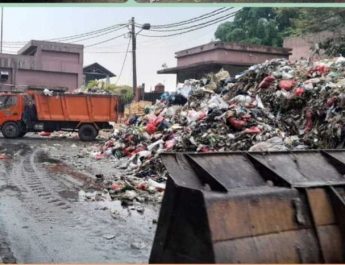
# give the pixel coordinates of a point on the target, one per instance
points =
(41, 218)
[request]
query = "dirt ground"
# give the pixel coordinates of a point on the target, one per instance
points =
(43, 220)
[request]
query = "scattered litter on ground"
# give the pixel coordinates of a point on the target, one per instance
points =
(138, 244)
(4, 156)
(109, 237)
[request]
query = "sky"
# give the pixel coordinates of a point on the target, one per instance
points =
(42, 23)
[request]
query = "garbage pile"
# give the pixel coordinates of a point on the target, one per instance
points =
(274, 106)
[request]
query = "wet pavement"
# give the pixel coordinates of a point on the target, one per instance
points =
(41, 218)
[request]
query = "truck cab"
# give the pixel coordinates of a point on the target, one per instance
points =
(11, 114)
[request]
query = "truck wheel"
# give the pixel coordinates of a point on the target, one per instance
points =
(10, 130)
(87, 132)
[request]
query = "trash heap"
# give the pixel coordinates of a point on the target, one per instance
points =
(274, 106)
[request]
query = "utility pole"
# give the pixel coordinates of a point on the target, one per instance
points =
(134, 60)
(145, 26)
(2, 26)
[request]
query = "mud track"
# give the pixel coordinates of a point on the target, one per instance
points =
(41, 219)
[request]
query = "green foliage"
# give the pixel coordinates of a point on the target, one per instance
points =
(125, 92)
(92, 84)
(254, 26)
(312, 20)
(269, 26)
(315, 20)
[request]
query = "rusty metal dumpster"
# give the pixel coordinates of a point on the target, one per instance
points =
(240, 207)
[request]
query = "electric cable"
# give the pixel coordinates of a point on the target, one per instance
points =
(124, 61)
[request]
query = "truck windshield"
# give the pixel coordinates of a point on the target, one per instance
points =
(7, 101)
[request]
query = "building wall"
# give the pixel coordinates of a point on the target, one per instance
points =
(60, 56)
(202, 71)
(229, 53)
(228, 57)
(234, 58)
(52, 65)
(198, 61)
(302, 47)
(46, 79)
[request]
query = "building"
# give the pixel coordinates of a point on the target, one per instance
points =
(43, 64)
(96, 71)
(306, 46)
(198, 61)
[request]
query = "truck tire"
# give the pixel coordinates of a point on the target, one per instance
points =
(87, 132)
(10, 130)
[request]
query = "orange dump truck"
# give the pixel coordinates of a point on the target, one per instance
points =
(34, 112)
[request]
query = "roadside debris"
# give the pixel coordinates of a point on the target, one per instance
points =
(273, 106)
(4, 156)
(109, 237)
(138, 244)
(44, 134)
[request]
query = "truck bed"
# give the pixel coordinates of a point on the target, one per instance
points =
(77, 107)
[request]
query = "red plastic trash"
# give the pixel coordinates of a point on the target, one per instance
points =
(266, 82)
(287, 84)
(299, 91)
(252, 130)
(45, 134)
(151, 128)
(236, 123)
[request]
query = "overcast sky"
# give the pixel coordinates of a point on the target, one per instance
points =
(25, 23)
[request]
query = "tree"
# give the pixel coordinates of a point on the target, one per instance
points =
(269, 26)
(312, 20)
(327, 19)
(125, 92)
(255, 26)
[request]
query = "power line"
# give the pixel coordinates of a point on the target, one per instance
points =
(106, 52)
(110, 28)
(76, 36)
(87, 38)
(200, 26)
(124, 61)
(99, 35)
(157, 28)
(154, 43)
(107, 40)
(107, 30)
(188, 21)
(195, 19)
(191, 26)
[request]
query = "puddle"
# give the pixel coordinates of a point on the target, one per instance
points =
(44, 158)
(12, 148)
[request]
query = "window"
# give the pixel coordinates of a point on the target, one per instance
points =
(3, 75)
(7, 101)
